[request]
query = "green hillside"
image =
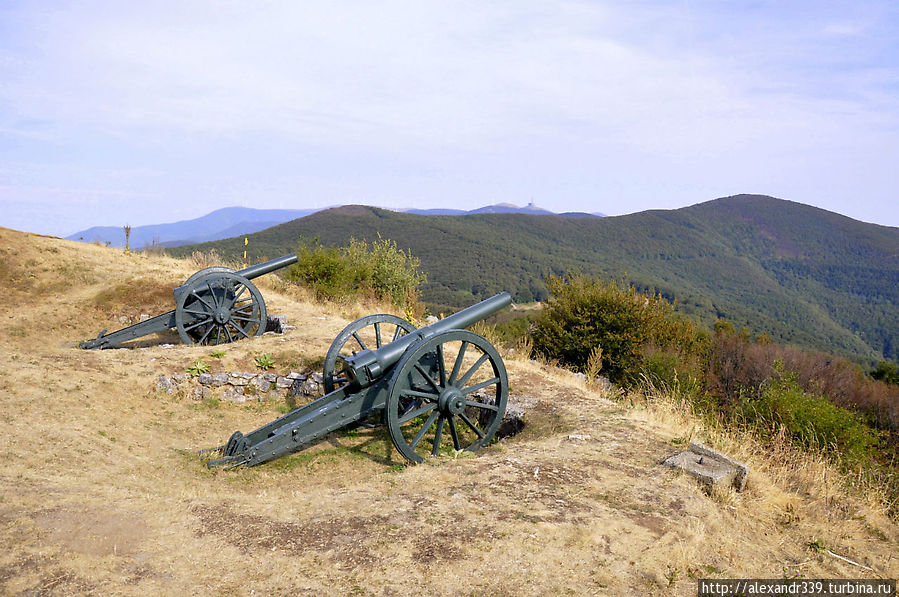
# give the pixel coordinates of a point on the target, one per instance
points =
(801, 274)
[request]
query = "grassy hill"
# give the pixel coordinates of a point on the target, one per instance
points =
(102, 490)
(801, 274)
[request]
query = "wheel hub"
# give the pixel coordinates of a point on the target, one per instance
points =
(451, 401)
(222, 315)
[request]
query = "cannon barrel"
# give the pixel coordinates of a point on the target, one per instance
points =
(267, 267)
(367, 366)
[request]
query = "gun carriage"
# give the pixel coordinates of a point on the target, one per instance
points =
(440, 388)
(216, 305)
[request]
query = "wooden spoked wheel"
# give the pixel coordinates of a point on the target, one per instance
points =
(366, 333)
(448, 393)
(218, 308)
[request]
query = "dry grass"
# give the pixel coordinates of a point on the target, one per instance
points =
(102, 490)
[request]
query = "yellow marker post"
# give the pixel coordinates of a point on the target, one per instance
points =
(246, 241)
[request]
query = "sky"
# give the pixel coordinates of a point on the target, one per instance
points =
(115, 113)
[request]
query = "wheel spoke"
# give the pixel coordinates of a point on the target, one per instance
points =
(228, 332)
(378, 334)
(237, 295)
(247, 319)
(192, 312)
(458, 364)
(212, 292)
(438, 435)
(419, 394)
(474, 427)
(206, 335)
(480, 386)
(396, 333)
(473, 369)
(454, 433)
(441, 366)
(202, 300)
(196, 325)
(427, 377)
(241, 330)
(417, 412)
(424, 429)
(359, 340)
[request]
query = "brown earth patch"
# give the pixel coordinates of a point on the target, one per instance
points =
(345, 539)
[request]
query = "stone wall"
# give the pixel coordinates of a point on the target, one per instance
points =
(240, 386)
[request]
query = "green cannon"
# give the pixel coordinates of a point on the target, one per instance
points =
(440, 388)
(216, 305)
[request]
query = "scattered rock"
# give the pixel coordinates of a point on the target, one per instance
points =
(219, 379)
(275, 324)
(236, 379)
(310, 387)
(260, 384)
(165, 384)
(204, 379)
(512, 422)
(234, 394)
(296, 388)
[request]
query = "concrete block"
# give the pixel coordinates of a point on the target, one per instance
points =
(710, 466)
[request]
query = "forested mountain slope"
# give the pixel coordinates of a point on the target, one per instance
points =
(801, 274)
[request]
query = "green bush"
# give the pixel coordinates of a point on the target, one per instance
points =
(585, 312)
(887, 372)
(811, 421)
(378, 270)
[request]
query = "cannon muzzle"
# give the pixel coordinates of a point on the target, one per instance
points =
(260, 269)
(367, 366)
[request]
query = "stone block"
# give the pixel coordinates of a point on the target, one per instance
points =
(710, 467)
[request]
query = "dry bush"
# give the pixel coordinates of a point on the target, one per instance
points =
(210, 258)
(739, 365)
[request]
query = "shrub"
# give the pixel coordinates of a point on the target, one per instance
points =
(887, 372)
(811, 421)
(584, 313)
(737, 365)
(379, 270)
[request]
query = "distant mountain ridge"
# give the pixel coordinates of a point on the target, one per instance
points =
(801, 274)
(235, 221)
(221, 223)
